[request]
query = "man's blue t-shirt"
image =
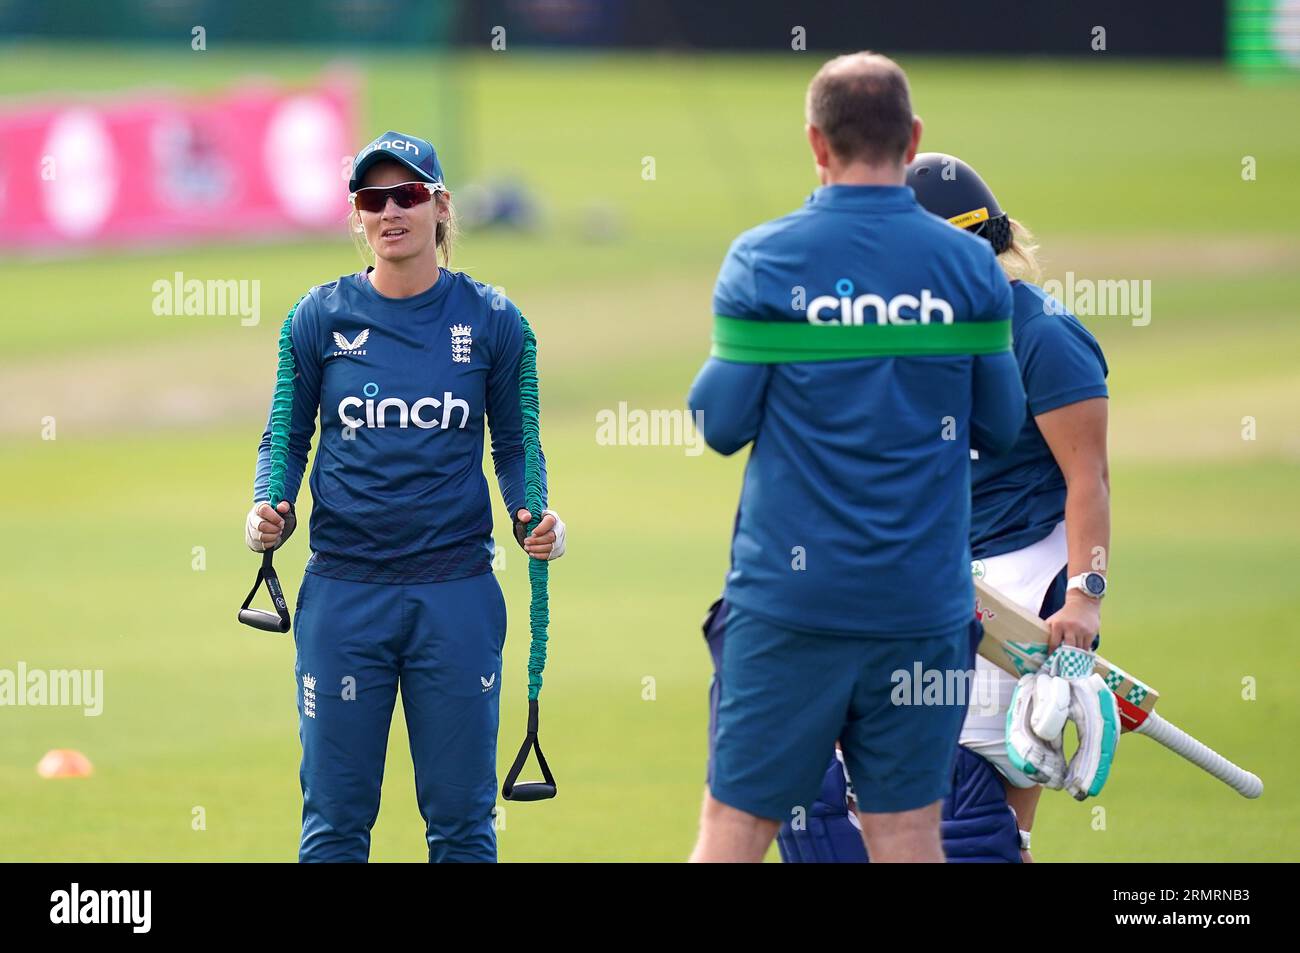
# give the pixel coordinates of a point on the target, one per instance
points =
(403, 386)
(854, 516)
(1018, 497)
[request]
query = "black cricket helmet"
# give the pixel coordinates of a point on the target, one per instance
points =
(947, 187)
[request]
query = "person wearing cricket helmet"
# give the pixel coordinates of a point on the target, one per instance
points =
(1040, 533)
(1040, 513)
(406, 361)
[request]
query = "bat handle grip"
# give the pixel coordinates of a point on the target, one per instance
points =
(1204, 757)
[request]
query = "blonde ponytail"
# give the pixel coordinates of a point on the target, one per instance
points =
(1020, 259)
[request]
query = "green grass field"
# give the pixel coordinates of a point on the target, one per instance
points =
(1124, 171)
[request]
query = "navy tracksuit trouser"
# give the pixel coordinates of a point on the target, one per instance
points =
(358, 643)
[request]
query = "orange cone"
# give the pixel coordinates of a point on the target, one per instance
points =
(64, 763)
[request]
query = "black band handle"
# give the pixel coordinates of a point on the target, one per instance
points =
(266, 621)
(529, 790)
(279, 621)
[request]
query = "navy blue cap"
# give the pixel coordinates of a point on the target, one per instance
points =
(414, 153)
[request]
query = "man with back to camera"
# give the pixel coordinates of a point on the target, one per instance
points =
(863, 347)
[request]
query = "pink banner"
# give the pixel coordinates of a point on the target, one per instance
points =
(255, 162)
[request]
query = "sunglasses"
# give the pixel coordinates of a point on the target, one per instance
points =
(405, 194)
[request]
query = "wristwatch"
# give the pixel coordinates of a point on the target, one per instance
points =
(1089, 583)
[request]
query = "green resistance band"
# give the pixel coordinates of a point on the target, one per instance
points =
(539, 605)
(281, 418)
(789, 342)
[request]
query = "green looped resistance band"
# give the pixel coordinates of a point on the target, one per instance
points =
(281, 420)
(539, 604)
(538, 608)
(788, 342)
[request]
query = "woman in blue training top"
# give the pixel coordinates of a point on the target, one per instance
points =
(405, 361)
(1040, 513)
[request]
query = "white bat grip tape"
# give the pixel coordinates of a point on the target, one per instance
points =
(1204, 757)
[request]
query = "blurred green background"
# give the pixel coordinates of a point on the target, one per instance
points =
(1123, 170)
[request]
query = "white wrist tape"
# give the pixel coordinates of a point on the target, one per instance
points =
(557, 550)
(252, 535)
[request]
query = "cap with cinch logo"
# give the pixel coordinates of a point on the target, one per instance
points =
(414, 153)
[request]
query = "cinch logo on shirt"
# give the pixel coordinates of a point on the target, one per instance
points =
(851, 310)
(420, 414)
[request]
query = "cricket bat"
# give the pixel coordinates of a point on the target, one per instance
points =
(1015, 640)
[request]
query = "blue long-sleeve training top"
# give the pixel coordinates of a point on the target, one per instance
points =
(854, 515)
(1018, 497)
(403, 387)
